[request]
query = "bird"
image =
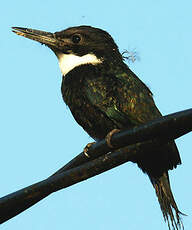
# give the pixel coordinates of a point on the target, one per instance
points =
(105, 96)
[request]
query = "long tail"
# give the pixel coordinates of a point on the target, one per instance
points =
(167, 203)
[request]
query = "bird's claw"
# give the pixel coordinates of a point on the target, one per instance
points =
(86, 149)
(109, 135)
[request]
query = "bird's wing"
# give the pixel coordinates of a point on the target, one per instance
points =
(123, 98)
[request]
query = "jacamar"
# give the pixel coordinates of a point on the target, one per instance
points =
(103, 94)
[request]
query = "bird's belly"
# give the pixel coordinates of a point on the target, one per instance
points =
(93, 121)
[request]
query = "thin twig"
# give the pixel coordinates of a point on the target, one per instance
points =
(81, 168)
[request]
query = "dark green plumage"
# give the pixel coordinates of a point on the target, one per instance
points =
(107, 95)
(104, 97)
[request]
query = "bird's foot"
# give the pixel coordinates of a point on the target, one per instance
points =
(86, 149)
(109, 135)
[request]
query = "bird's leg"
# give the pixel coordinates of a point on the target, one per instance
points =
(109, 135)
(86, 149)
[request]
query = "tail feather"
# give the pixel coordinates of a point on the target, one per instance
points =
(167, 203)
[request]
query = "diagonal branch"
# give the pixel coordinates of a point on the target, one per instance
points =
(145, 137)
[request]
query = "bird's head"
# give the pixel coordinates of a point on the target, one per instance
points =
(76, 45)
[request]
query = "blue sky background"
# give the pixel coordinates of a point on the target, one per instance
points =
(38, 134)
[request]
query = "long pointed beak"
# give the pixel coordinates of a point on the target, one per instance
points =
(43, 37)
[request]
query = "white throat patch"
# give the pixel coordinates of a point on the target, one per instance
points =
(67, 62)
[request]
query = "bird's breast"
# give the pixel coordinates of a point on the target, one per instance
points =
(75, 91)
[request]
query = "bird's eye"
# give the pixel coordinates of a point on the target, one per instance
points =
(76, 38)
